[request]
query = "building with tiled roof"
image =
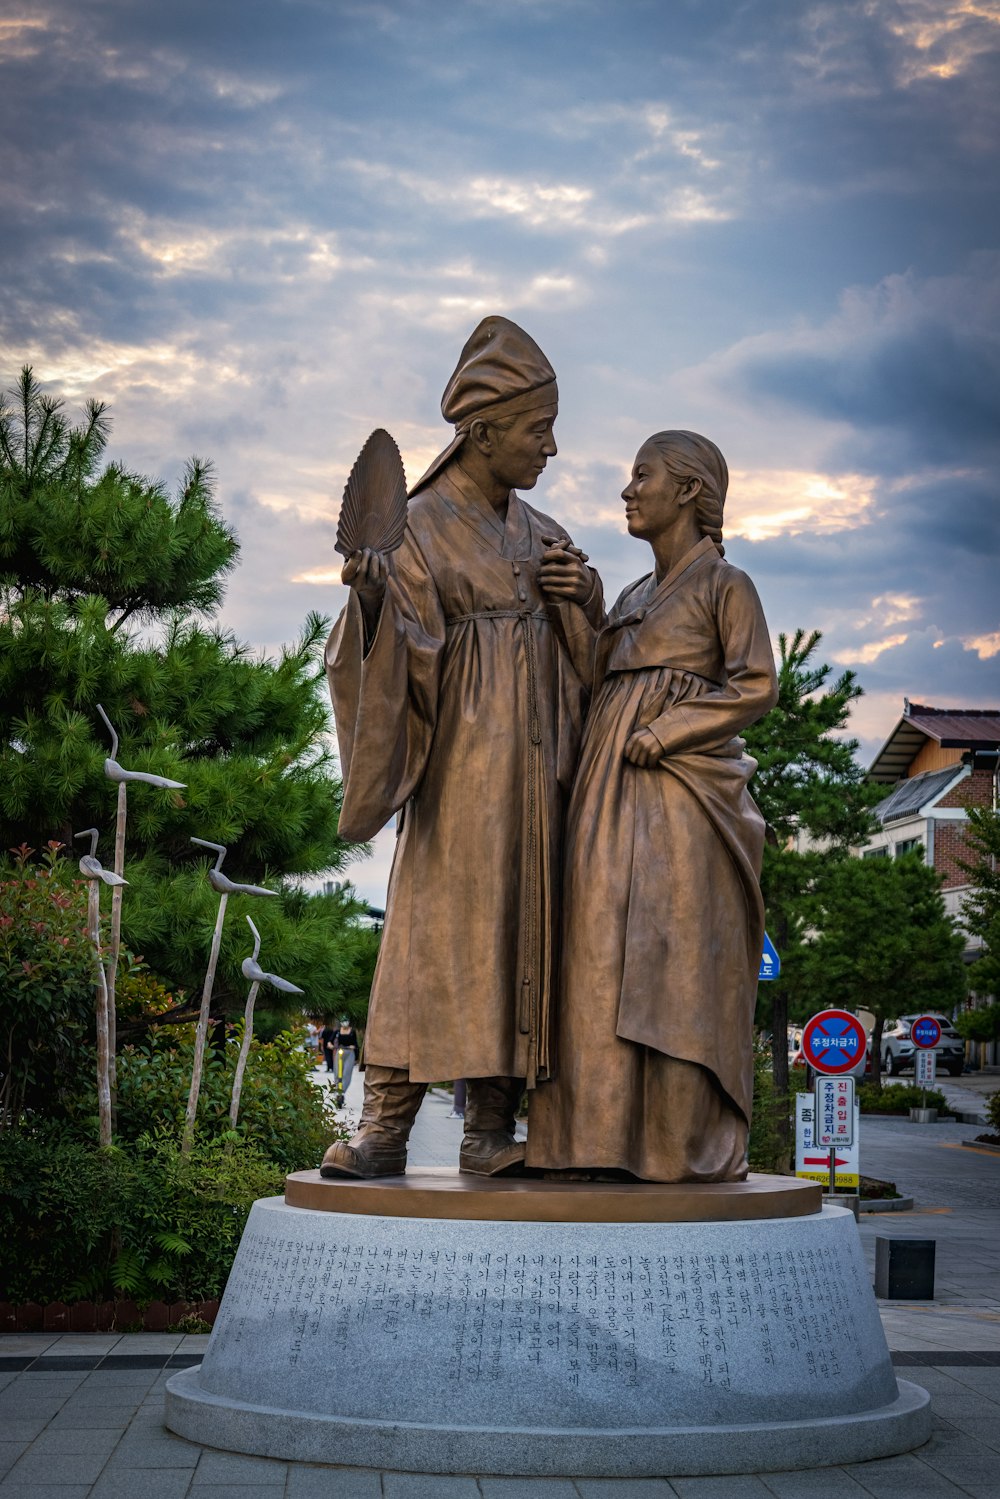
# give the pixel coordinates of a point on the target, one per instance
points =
(934, 764)
(927, 739)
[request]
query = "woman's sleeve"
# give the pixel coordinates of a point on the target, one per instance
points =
(385, 694)
(751, 689)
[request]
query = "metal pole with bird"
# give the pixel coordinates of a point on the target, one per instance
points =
(95, 874)
(121, 777)
(225, 887)
(251, 969)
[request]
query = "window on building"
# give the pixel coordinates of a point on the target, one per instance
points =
(907, 846)
(875, 853)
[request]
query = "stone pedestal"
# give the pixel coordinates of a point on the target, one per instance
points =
(584, 1346)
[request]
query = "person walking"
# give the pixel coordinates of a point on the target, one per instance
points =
(328, 1043)
(345, 1056)
(459, 1097)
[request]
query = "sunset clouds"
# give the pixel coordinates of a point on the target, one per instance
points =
(261, 230)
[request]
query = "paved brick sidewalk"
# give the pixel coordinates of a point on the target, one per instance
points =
(82, 1417)
(71, 1432)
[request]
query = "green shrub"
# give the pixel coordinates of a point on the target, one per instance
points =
(765, 1141)
(282, 1112)
(993, 1111)
(137, 1220)
(47, 988)
(140, 1220)
(982, 1024)
(898, 1098)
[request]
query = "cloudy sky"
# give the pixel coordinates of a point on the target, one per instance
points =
(260, 228)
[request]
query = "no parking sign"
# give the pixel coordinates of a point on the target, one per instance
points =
(834, 1043)
(925, 1031)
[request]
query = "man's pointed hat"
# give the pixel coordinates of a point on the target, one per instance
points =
(501, 372)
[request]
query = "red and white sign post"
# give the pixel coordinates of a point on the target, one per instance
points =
(834, 1118)
(925, 1033)
(926, 1071)
(834, 1044)
(812, 1160)
(834, 1112)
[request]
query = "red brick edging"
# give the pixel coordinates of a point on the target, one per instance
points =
(101, 1316)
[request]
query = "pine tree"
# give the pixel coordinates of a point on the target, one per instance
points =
(813, 796)
(981, 911)
(107, 587)
(881, 940)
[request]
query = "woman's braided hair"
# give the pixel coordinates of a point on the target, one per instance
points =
(688, 455)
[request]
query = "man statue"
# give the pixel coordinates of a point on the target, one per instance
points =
(459, 710)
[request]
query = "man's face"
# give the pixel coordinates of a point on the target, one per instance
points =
(522, 451)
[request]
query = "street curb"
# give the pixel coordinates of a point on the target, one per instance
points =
(885, 1205)
(982, 1145)
(945, 1118)
(948, 1117)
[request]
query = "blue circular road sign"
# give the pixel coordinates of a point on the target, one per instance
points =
(833, 1042)
(925, 1031)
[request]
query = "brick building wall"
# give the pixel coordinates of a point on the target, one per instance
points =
(950, 847)
(974, 791)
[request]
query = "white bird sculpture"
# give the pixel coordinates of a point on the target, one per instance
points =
(95, 874)
(225, 887)
(90, 865)
(253, 971)
(123, 778)
(116, 772)
(221, 882)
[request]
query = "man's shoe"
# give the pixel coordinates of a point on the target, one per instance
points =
(363, 1160)
(378, 1147)
(493, 1153)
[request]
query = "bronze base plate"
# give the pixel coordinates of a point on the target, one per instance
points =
(443, 1192)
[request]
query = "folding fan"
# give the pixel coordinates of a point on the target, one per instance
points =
(373, 510)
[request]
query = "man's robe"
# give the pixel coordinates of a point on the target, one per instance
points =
(462, 714)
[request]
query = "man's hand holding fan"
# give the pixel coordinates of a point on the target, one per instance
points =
(372, 517)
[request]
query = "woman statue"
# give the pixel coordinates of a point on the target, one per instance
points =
(663, 917)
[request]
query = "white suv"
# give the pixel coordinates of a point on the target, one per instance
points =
(898, 1050)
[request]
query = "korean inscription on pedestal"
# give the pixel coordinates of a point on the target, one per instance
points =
(581, 1318)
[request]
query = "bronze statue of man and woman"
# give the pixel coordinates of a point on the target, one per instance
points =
(574, 903)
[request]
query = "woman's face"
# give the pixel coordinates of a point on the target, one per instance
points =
(522, 451)
(652, 495)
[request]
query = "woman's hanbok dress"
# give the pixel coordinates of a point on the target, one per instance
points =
(662, 913)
